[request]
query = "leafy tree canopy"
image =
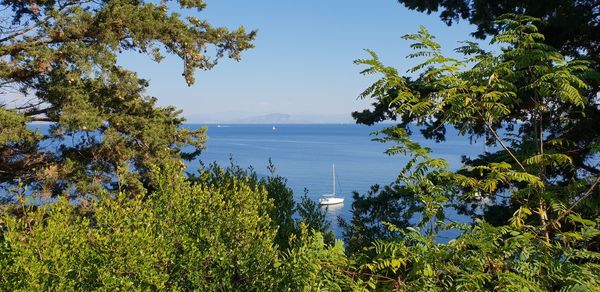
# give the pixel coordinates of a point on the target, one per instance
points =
(58, 64)
(572, 26)
(525, 100)
(528, 99)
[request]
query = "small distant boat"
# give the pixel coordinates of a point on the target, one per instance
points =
(331, 199)
(274, 128)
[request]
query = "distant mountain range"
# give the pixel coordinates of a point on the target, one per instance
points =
(273, 118)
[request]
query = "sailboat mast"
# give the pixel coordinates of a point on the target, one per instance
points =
(333, 179)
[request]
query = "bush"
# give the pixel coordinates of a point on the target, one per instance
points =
(181, 236)
(485, 258)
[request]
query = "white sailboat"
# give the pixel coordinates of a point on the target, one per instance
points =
(331, 199)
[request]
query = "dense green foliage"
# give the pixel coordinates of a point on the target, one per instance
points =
(525, 99)
(181, 236)
(58, 64)
(485, 258)
(374, 211)
(529, 91)
(213, 234)
(284, 208)
(571, 26)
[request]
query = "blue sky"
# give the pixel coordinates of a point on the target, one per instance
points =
(302, 63)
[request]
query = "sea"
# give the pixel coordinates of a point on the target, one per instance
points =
(305, 155)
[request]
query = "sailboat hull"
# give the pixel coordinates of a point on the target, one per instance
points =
(330, 201)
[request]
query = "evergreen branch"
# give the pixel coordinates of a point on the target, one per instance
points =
(26, 29)
(35, 112)
(37, 24)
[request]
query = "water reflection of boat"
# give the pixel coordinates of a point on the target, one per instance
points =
(331, 199)
(334, 210)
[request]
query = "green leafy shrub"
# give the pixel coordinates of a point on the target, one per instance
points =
(283, 206)
(485, 258)
(312, 264)
(182, 236)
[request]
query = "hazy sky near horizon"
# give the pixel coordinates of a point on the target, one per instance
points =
(302, 63)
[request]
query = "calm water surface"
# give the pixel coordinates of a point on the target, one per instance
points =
(304, 154)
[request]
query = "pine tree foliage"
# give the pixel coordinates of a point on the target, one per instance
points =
(312, 215)
(59, 65)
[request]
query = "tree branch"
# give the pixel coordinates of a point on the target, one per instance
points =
(36, 112)
(583, 197)
(36, 119)
(504, 146)
(26, 29)
(590, 169)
